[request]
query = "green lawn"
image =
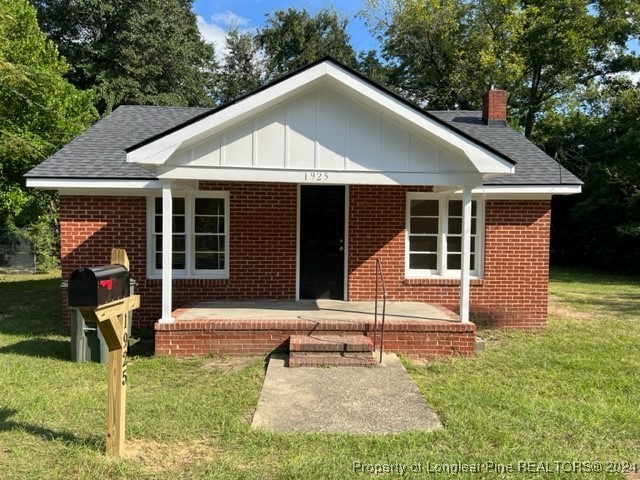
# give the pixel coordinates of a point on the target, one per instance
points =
(570, 393)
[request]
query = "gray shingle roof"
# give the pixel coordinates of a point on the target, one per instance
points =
(533, 166)
(99, 153)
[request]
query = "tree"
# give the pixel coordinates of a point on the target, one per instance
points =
(599, 139)
(241, 71)
(446, 53)
(293, 39)
(133, 51)
(39, 112)
(371, 67)
(423, 41)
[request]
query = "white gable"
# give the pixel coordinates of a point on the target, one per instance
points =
(324, 120)
(323, 130)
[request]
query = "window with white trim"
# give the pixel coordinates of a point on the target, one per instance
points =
(200, 224)
(434, 235)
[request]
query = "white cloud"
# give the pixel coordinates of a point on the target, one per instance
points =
(634, 76)
(215, 31)
(212, 33)
(230, 19)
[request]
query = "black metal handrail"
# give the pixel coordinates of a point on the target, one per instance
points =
(379, 275)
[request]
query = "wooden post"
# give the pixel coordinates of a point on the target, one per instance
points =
(117, 376)
(119, 257)
(112, 320)
(117, 394)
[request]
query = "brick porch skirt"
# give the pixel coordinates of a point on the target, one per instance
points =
(413, 338)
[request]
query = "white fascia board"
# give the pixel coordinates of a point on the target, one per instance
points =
(317, 177)
(158, 151)
(94, 187)
(64, 183)
(525, 192)
(483, 160)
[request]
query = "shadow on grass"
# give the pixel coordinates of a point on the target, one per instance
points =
(6, 424)
(591, 277)
(30, 305)
(141, 347)
(40, 347)
(583, 289)
(612, 304)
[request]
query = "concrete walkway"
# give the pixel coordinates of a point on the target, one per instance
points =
(362, 400)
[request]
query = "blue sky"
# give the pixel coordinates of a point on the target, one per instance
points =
(215, 17)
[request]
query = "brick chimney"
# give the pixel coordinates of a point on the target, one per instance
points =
(494, 108)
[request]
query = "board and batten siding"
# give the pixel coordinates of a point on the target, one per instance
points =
(322, 130)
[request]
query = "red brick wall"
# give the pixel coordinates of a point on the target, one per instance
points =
(262, 245)
(91, 226)
(513, 291)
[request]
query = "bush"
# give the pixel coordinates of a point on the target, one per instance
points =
(43, 236)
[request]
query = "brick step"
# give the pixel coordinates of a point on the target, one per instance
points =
(330, 343)
(331, 360)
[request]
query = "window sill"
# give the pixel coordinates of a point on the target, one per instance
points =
(416, 281)
(220, 278)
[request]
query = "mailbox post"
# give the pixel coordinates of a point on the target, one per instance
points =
(102, 296)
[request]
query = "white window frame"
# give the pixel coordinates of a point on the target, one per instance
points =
(189, 271)
(442, 271)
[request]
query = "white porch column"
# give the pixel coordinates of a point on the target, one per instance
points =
(466, 254)
(167, 253)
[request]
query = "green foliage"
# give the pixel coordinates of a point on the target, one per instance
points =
(9, 241)
(133, 51)
(39, 110)
(43, 237)
(292, 39)
(422, 41)
(370, 66)
(599, 140)
(241, 72)
(447, 53)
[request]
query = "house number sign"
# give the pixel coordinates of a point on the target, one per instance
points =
(316, 176)
(125, 359)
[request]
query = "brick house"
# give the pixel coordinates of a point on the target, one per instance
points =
(291, 192)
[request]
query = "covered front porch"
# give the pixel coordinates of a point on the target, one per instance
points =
(415, 329)
(292, 192)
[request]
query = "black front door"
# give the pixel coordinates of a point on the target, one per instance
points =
(322, 242)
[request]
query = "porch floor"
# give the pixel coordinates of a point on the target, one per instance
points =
(314, 311)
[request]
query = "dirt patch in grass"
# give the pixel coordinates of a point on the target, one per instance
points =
(229, 364)
(562, 310)
(160, 457)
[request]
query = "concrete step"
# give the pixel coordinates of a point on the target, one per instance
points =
(330, 343)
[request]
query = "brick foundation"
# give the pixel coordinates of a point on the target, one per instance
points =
(512, 292)
(258, 337)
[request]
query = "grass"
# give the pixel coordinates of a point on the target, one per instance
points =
(569, 393)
